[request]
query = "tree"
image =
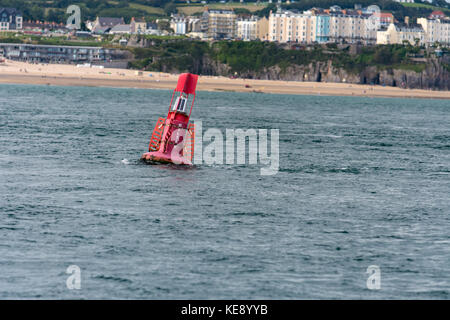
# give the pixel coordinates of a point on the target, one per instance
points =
(417, 42)
(382, 55)
(164, 25)
(54, 16)
(170, 8)
(440, 3)
(36, 13)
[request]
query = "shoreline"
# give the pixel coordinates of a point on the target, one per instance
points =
(14, 72)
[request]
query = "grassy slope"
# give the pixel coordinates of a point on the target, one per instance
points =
(191, 9)
(148, 9)
(426, 6)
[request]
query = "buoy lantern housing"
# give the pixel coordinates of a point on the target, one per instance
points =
(172, 140)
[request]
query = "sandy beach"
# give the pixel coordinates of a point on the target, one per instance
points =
(14, 72)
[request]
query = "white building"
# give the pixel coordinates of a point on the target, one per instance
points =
(287, 26)
(322, 26)
(184, 25)
(10, 19)
(436, 30)
(351, 28)
(179, 25)
(400, 33)
(247, 29)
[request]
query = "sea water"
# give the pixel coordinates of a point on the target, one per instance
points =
(362, 182)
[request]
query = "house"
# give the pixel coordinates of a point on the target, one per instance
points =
(138, 25)
(39, 27)
(183, 25)
(399, 33)
(263, 29)
(152, 28)
(10, 19)
(179, 25)
(436, 30)
(385, 18)
(120, 29)
(194, 24)
(247, 28)
(102, 25)
(437, 15)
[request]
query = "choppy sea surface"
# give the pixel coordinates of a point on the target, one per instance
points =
(361, 182)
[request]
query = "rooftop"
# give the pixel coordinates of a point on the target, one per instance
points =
(11, 11)
(411, 27)
(48, 46)
(109, 21)
(133, 19)
(121, 28)
(221, 11)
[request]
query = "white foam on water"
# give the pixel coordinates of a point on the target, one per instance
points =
(125, 161)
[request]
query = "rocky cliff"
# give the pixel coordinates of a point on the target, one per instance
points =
(433, 76)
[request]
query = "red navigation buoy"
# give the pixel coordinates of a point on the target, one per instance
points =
(172, 140)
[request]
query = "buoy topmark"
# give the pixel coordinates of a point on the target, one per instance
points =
(172, 140)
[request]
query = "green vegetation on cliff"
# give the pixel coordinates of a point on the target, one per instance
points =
(253, 58)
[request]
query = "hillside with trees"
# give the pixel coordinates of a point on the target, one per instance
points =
(55, 10)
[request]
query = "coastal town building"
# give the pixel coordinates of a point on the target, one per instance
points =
(288, 26)
(247, 28)
(437, 14)
(120, 29)
(58, 54)
(179, 25)
(194, 24)
(263, 29)
(184, 25)
(436, 30)
(138, 25)
(336, 25)
(10, 19)
(152, 28)
(400, 33)
(349, 26)
(219, 24)
(41, 27)
(103, 25)
(333, 25)
(384, 18)
(323, 26)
